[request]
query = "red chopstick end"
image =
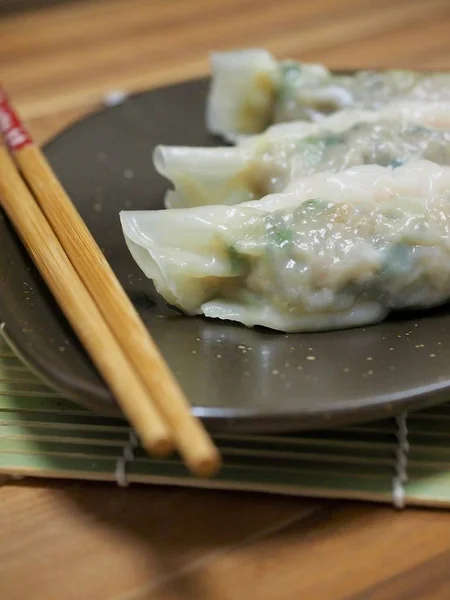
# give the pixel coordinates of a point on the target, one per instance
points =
(12, 128)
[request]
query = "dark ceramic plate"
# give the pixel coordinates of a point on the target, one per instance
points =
(236, 378)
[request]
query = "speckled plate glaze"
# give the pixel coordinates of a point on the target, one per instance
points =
(236, 378)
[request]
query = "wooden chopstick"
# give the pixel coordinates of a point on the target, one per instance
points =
(79, 308)
(192, 440)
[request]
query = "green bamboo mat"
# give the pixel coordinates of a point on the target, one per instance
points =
(405, 461)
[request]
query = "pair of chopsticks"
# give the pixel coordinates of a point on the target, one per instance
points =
(94, 302)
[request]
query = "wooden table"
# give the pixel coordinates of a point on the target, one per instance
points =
(85, 541)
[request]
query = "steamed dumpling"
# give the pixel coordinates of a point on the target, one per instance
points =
(339, 250)
(250, 90)
(267, 163)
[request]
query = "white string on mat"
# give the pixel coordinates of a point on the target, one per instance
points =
(401, 462)
(124, 460)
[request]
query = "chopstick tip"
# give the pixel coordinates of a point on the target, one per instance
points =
(160, 446)
(207, 466)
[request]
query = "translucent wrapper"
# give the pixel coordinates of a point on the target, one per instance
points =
(242, 93)
(203, 175)
(332, 251)
(250, 90)
(266, 163)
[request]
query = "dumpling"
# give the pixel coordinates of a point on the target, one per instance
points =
(266, 163)
(250, 90)
(333, 251)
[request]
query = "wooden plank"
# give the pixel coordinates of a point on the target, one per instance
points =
(357, 553)
(90, 541)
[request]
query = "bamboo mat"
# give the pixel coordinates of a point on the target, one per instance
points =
(405, 461)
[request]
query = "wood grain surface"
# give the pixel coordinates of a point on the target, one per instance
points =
(80, 541)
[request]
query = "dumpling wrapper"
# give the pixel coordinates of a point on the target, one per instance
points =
(337, 251)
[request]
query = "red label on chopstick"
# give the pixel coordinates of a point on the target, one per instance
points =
(15, 134)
